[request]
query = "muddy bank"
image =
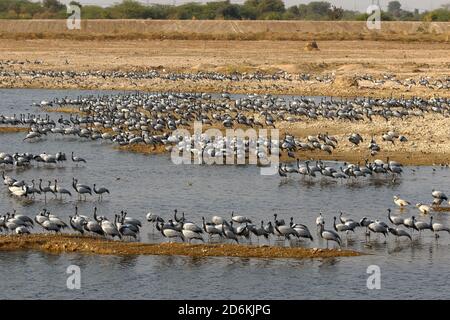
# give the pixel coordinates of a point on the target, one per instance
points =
(72, 243)
(13, 129)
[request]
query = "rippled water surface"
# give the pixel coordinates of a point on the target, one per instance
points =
(140, 183)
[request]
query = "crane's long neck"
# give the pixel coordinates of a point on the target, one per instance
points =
(204, 224)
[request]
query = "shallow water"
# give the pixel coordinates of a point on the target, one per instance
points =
(143, 183)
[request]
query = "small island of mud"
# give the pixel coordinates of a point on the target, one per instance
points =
(90, 245)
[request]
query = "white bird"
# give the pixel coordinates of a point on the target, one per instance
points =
(400, 202)
(240, 219)
(77, 222)
(319, 220)
(22, 230)
(218, 220)
(151, 217)
(439, 195)
(19, 191)
(423, 208)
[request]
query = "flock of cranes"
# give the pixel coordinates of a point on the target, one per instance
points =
(27, 159)
(349, 171)
(22, 189)
(123, 226)
(151, 119)
(235, 229)
(172, 76)
(429, 82)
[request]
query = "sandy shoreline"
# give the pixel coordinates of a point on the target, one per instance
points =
(88, 245)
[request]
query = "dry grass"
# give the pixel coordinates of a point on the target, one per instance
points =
(259, 36)
(72, 243)
(106, 30)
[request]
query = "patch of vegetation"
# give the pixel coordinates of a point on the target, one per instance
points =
(217, 10)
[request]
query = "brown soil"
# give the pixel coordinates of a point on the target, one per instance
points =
(142, 148)
(62, 110)
(72, 243)
(13, 129)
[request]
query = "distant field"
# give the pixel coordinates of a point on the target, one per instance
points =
(223, 30)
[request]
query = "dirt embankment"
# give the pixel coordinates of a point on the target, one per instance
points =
(88, 245)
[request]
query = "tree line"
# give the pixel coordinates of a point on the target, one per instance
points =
(217, 10)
